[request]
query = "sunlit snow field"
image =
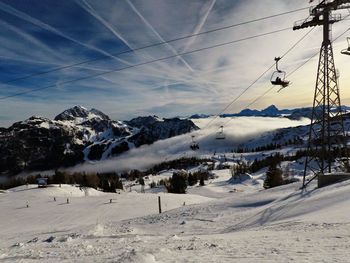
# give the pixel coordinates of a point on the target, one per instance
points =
(219, 222)
(223, 221)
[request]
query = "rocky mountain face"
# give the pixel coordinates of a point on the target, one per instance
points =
(77, 135)
(152, 129)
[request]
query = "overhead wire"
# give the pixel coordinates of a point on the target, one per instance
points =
(257, 79)
(292, 72)
(288, 75)
(152, 45)
(143, 63)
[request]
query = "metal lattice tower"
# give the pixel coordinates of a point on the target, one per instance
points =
(327, 137)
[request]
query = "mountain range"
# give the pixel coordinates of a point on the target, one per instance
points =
(271, 111)
(80, 135)
(77, 135)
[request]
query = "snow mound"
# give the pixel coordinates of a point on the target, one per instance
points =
(290, 204)
(240, 178)
(135, 257)
(98, 230)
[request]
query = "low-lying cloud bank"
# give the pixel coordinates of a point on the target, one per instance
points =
(237, 130)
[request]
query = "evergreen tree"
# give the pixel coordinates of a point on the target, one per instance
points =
(192, 179)
(273, 177)
(178, 183)
(141, 181)
(201, 181)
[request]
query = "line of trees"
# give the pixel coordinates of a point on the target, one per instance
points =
(271, 146)
(107, 182)
(181, 179)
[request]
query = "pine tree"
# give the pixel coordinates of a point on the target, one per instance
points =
(201, 181)
(178, 183)
(273, 177)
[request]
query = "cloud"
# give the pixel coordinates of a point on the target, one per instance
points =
(237, 131)
(43, 36)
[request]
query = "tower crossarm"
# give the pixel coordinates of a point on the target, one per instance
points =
(318, 13)
(315, 21)
(330, 6)
(339, 4)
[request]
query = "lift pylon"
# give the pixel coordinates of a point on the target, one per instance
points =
(327, 138)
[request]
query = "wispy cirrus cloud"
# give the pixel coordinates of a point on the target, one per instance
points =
(43, 35)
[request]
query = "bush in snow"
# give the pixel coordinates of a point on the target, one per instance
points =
(273, 177)
(192, 179)
(141, 181)
(152, 185)
(242, 167)
(110, 182)
(163, 182)
(268, 161)
(135, 174)
(201, 181)
(177, 183)
(201, 176)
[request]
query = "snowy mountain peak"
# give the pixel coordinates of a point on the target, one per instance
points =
(72, 113)
(271, 110)
(41, 143)
(79, 115)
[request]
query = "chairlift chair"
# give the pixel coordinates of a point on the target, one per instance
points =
(278, 78)
(347, 51)
(220, 134)
(194, 146)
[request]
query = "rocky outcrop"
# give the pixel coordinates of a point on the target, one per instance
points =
(153, 129)
(38, 144)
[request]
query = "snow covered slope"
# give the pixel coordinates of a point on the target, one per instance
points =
(283, 224)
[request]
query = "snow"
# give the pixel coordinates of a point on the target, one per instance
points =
(226, 220)
(223, 221)
(240, 130)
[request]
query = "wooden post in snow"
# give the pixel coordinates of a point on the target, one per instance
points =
(159, 205)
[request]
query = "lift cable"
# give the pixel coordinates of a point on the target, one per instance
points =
(144, 63)
(288, 75)
(152, 45)
(257, 79)
(291, 73)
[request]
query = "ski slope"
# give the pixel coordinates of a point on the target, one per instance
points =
(219, 222)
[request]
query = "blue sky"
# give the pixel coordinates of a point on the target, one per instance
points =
(41, 35)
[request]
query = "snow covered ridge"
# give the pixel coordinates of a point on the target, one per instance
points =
(76, 135)
(270, 111)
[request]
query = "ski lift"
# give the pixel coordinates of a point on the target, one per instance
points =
(347, 51)
(220, 134)
(278, 78)
(194, 146)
